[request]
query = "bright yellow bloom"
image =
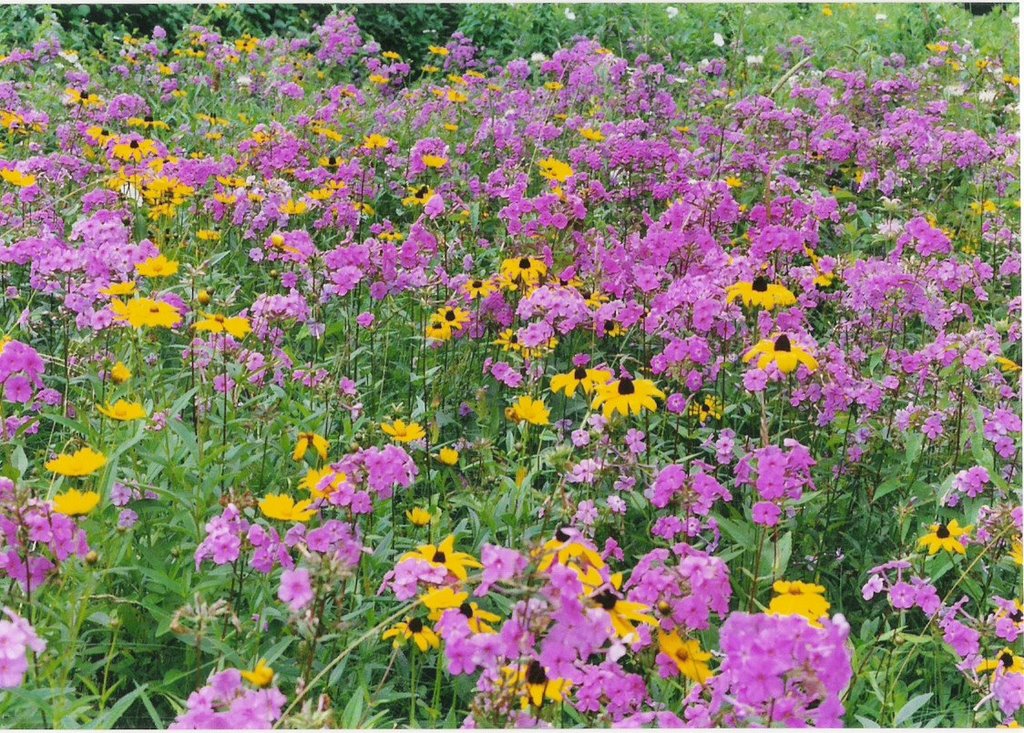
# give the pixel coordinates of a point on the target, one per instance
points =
(123, 411)
(294, 208)
(434, 161)
(626, 396)
(261, 676)
(120, 373)
(781, 350)
(1006, 660)
(418, 517)
(119, 289)
(158, 266)
(527, 409)
(236, 326)
(532, 684)
(590, 133)
(285, 508)
(402, 432)
(441, 599)
(799, 599)
(134, 150)
(445, 322)
(589, 379)
(319, 443)
(438, 50)
(17, 178)
(448, 456)
(74, 503)
(422, 635)
(322, 482)
(444, 555)
(527, 270)
(375, 142)
(689, 658)
(945, 537)
(623, 613)
(146, 313)
(80, 463)
(477, 288)
(760, 294)
(555, 170)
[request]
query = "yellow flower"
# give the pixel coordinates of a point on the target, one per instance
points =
(1007, 365)
(589, 379)
(760, 294)
(527, 270)
(375, 142)
(379, 79)
(527, 409)
(689, 658)
(80, 463)
(261, 676)
(448, 456)
(478, 288)
(401, 432)
(17, 178)
(319, 443)
(134, 150)
(323, 482)
(444, 555)
(146, 313)
(294, 208)
(119, 289)
(438, 50)
(123, 411)
(158, 266)
(422, 635)
(626, 396)
(622, 612)
(419, 196)
(445, 322)
(74, 503)
(799, 599)
(418, 517)
(120, 373)
(945, 537)
(441, 599)
(285, 508)
(533, 685)
(590, 133)
(236, 326)
(781, 350)
(555, 170)
(434, 161)
(733, 182)
(1006, 660)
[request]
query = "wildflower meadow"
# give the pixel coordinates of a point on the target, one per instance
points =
(660, 377)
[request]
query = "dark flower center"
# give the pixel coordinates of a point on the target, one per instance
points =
(1006, 659)
(154, 309)
(606, 600)
(449, 316)
(477, 284)
(609, 326)
(513, 339)
(586, 294)
(1017, 616)
(439, 556)
(626, 386)
(535, 674)
(147, 118)
(466, 610)
(942, 532)
(561, 535)
(524, 263)
(133, 144)
(415, 626)
(579, 373)
(421, 191)
(782, 343)
(760, 284)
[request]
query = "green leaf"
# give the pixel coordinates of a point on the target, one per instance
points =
(913, 705)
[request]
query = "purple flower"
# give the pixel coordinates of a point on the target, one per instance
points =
(296, 589)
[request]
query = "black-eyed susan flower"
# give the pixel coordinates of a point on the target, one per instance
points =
(527, 409)
(588, 379)
(123, 411)
(589, 133)
(444, 555)
(445, 322)
(284, 508)
(402, 432)
(477, 288)
(686, 654)
(17, 178)
(794, 598)
(439, 600)
(376, 142)
(533, 685)
(75, 503)
(260, 676)
(710, 408)
(944, 537)
(236, 326)
(134, 150)
(421, 635)
(305, 441)
(623, 613)
(418, 516)
(527, 270)
(433, 161)
(1006, 661)
(80, 463)
(759, 293)
(626, 396)
(478, 619)
(783, 352)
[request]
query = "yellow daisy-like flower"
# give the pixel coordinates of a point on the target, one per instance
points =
(75, 503)
(448, 456)
(527, 409)
(119, 289)
(158, 266)
(322, 482)
(418, 517)
(526, 270)
(376, 142)
(555, 170)
(591, 134)
(760, 294)
(588, 379)
(1006, 661)
(134, 150)
(421, 635)
(260, 676)
(689, 658)
(533, 685)
(444, 555)
(318, 442)
(783, 352)
(438, 50)
(441, 599)
(294, 208)
(434, 161)
(799, 599)
(477, 288)
(286, 509)
(17, 178)
(235, 326)
(626, 396)
(120, 373)
(623, 613)
(445, 322)
(80, 463)
(146, 313)
(123, 411)
(945, 537)
(402, 432)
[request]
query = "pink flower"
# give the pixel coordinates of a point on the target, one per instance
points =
(296, 589)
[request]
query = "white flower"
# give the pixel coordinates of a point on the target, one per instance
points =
(569, 15)
(718, 40)
(987, 96)
(881, 16)
(672, 11)
(755, 60)
(244, 80)
(537, 57)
